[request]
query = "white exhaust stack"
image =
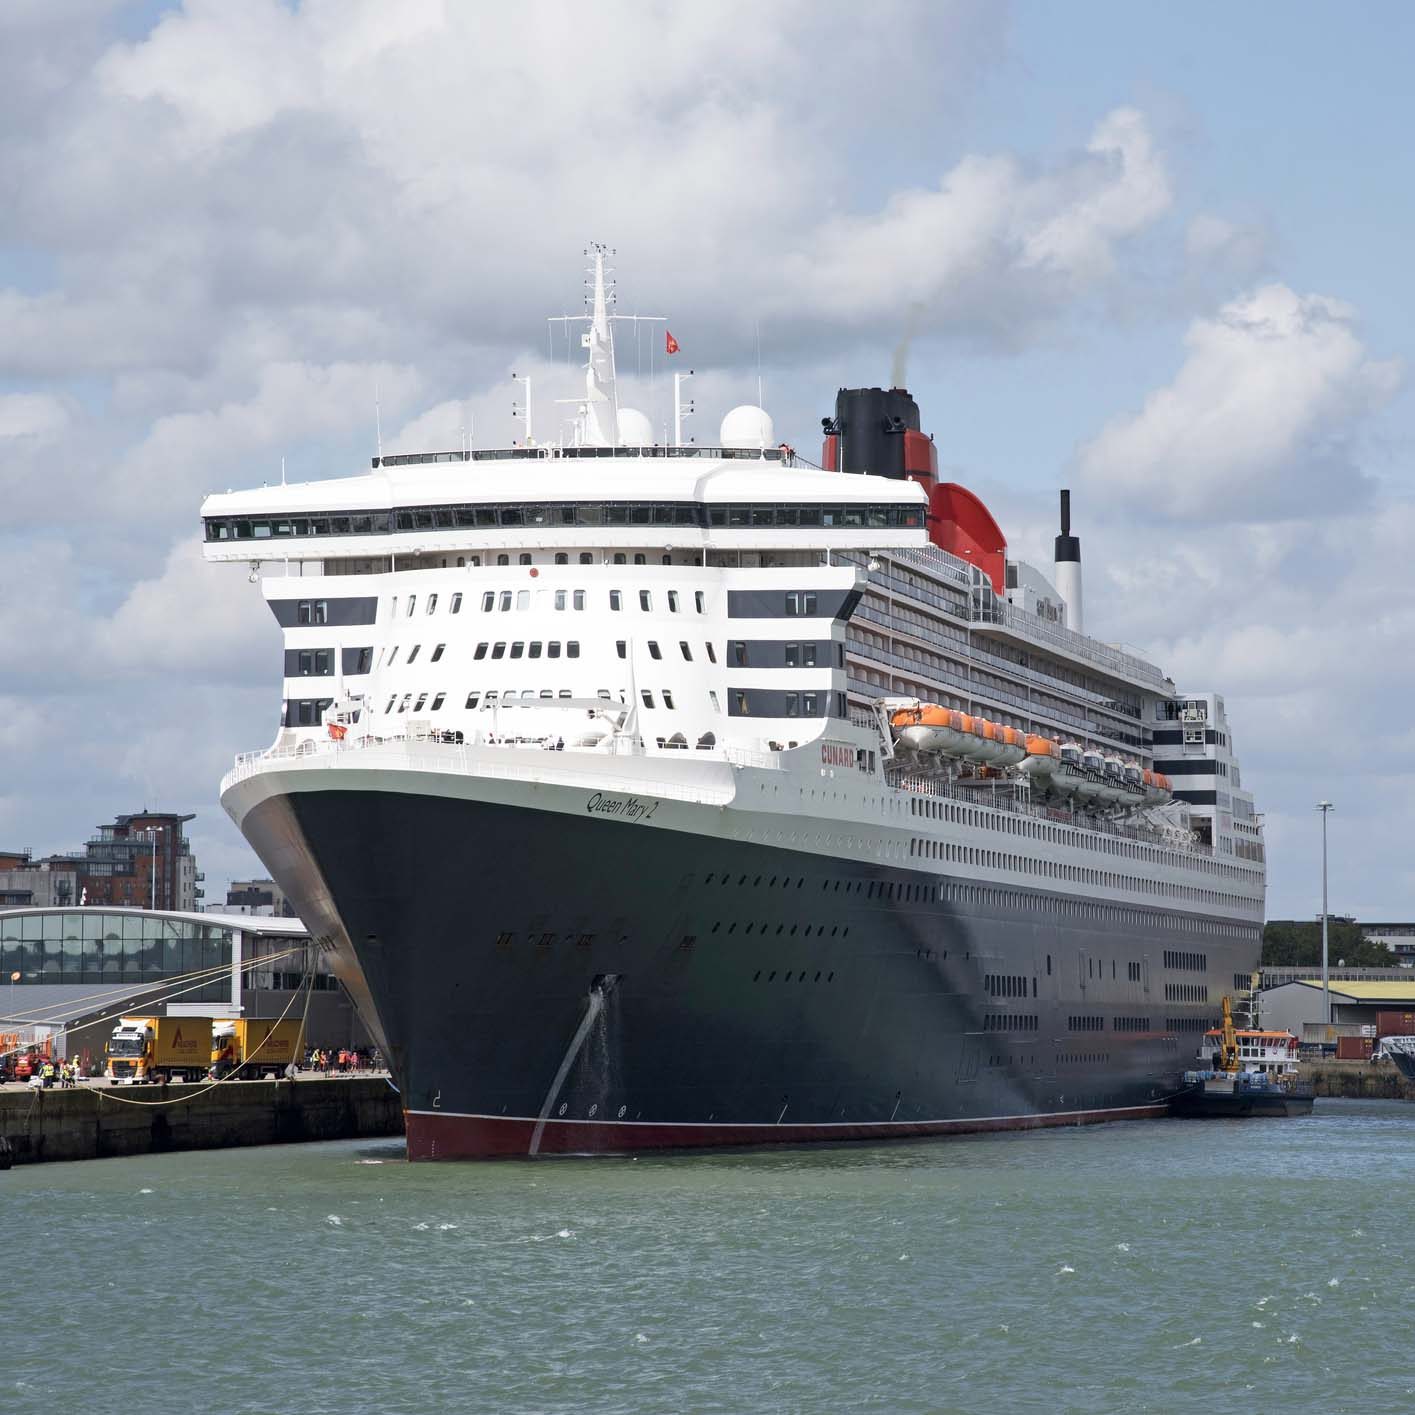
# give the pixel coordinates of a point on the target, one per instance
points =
(1068, 568)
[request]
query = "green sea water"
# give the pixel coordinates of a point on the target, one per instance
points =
(1220, 1267)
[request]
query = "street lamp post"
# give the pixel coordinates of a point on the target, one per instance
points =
(1325, 807)
(152, 891)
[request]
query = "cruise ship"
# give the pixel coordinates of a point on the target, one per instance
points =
(651, 794)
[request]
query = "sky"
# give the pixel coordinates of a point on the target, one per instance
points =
(1155, 253)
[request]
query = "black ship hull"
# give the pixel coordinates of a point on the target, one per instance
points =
(1199, 1104)
(546, 982)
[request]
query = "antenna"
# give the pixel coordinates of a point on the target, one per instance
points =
(525, 410)
(681, 409)
(599, 408)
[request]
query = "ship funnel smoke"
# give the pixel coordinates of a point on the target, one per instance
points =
(899, 368)
(1068, 568)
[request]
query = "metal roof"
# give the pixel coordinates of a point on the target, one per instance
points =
(1363, 991)
(246, 923)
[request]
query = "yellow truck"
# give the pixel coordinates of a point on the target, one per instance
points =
(144, 1049)
(266, 1046)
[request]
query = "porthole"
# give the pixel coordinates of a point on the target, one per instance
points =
(561, 1111)
(622, 1111)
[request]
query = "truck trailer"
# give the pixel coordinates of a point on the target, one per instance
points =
(144, 1049)
(260, 1046)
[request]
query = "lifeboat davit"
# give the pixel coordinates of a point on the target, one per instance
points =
(1158, 788)
(1048, 769)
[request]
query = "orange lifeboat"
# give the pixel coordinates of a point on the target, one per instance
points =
(1158, 787)
(931, 728)
(1013, 746)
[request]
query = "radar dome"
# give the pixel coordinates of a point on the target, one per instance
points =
(748, 426)
(635, 430)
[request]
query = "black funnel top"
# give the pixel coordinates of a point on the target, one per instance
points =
(1068, 547)
(870, 424)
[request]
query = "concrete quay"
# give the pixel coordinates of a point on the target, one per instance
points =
(99, 1122)
(1357, 1080)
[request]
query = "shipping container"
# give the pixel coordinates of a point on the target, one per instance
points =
(1328, 1032)
(1395, 1024)
(1354, 1048)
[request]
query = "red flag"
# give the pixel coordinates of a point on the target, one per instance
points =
(671, 344)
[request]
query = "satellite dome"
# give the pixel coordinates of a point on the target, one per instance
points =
(748, 426)
(635, 430)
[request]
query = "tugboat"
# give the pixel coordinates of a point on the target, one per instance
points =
(1250, 1072)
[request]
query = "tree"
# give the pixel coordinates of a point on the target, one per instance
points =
(1288, 943)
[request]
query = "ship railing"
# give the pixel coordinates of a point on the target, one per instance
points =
(905, 655)
(993, 611)
(980, 692)
(1069, 641)
(787, 456)
(329, 753)
(1013, 796)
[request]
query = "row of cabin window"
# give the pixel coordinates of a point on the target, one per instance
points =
(791, 704)
(413, 653)
(1185, 992)
(491, 698)
(505, 600)
(801, 655)
(1194, 962)
(315, 663)
(1007, 985)
(621, 647)
(448, 517)
(476, 698)
(1011, 1022)
(521, 648)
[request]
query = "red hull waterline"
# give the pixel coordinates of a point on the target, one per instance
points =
(437, 1136)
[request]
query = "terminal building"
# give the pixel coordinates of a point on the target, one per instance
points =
(71, 972)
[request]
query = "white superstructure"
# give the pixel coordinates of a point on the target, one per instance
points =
(739, 604)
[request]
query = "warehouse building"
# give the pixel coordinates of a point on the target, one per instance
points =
(1369, 1008)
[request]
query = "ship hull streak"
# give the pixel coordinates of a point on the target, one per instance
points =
(551, 983)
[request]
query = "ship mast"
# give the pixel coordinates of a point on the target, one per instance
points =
(598, 422)
(601, 417)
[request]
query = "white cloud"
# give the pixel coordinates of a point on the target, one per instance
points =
(995, 251)
(201, 621)
(1258, 424)
(32, 417)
